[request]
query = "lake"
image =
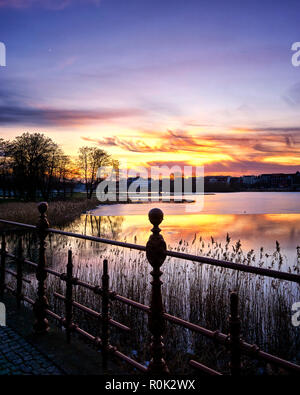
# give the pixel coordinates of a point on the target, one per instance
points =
(257, 219)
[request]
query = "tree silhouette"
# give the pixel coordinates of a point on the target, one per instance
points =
(90, 159)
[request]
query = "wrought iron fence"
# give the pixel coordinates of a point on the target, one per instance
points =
(156, 253)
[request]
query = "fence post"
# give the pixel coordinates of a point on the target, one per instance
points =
(69, 297)
(235, 327)
(105, 315)
(156, 255)
(41, 304)
(2, 268)
(19, 262)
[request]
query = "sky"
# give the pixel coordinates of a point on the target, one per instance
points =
(156, 81)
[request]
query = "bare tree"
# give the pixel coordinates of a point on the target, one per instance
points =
(65, 175)
(89, 160)
(5, 176)
(34, 165)
(32, 160)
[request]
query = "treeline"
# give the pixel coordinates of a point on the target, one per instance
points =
(33, 166)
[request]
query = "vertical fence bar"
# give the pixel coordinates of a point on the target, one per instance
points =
(105, 314)
(41, 304)
(156, 255)
(2, 268)
(235, 328)
(19, 263)
(69, 297)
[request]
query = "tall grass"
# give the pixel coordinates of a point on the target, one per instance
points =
(195, 292)
(60, 213)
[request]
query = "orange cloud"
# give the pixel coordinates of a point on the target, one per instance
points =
(229, 152)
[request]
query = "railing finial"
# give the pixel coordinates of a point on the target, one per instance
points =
(156, 217)
(43, 207)
(156, 254)
(43, 222)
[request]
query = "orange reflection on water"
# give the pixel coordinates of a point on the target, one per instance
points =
(254, 230)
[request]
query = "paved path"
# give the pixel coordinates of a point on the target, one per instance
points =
(23, 352)
(17, 356)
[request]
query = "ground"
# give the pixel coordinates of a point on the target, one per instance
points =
(17, 356)
(24, 352)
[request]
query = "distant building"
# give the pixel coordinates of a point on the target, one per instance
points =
(249, 180)
(212, 180)
(142, 183)
(296, 180)
(276, 180)
(236, 180)
(218, 179)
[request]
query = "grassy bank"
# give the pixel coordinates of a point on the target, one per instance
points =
(60, 213)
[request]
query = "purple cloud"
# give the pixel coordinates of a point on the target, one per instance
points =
(61, 117)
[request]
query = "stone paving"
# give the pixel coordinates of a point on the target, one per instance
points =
(18, 357)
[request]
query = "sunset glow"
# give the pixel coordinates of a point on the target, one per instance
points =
(156, 84)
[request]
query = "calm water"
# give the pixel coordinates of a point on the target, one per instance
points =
(256, 218)
(219, 203)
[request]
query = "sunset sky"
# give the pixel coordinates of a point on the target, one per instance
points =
(157, 81)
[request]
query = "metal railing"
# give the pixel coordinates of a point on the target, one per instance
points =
(156, 253)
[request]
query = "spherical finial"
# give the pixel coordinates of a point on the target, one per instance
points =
(43, 207)
(155, 216)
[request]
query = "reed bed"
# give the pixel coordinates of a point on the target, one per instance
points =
(60, 213)
(195, 292)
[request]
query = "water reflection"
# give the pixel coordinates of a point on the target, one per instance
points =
(254, 231)
(110, 227)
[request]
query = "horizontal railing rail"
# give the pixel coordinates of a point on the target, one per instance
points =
(188, 257)
(156, 253)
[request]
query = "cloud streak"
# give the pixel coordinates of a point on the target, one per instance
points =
(273, 130)
(169, 142)
(61, 117)
(230, 153)
(182, 141)
(237, 167)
